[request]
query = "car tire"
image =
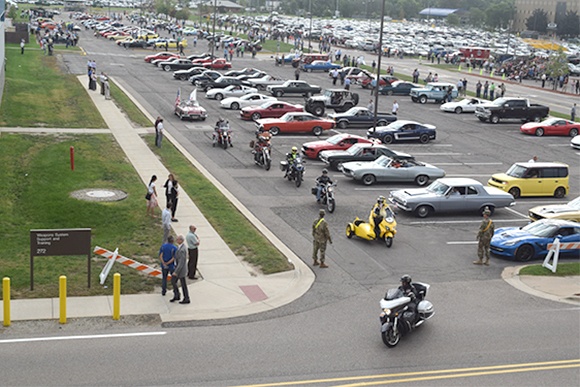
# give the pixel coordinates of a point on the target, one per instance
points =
(235, 106)
(423, 99)
(494, 119)
(573, 132)
(414, 99)
(458, 110)
(524, 253)
(382, 123)
(388, 139)
(539, 132)
(422, 180)
(560, 192)
(309, 70)
(167, 68)
(342, 124)
(482, 119)
(536, 119)
(424, 138)
(369, 179)
(278, 93)
(256, 116)
(219, 96)
(318, 110)
(317, 131)
(390, 92)
(274, 130)
(423, 211)
(515, 192)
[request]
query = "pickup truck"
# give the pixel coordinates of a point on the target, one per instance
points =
(293, 87)
(434, 91)
(511, 108)
(361, 117)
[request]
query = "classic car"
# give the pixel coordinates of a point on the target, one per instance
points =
(319, 65)
(170, 43)
(552, 127)
(568, 211)
(190, 109)
(355, 74)
(219, 83)
(531, 241)
(133, 43)
(359, 152)
(270, 109)
(156, 62)
(341, 141)
(370, 82)
(203, 77)
(403, 130)
(184, 75)
(218, 64)
(391, 170)
(266, 80)
(466, 105)
(397, 88)
(434, 91)
(252, 99)
(451, 194)
(575, 142)
(293, 87)
(229, 91)
(244, 71)
(360, 117)
(295, 123)
(179, 64)
(161, 55)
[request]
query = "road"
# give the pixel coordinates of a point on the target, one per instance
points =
(332, 332)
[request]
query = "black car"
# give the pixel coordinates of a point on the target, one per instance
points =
(244, 71)
(184, 75)
(293, 87)
(359, 152)
(403, 130)
(257, 74)
(179, 64)
(219, 83)
(206, 75)
(397, 88)
(136, 43)
(360, 117)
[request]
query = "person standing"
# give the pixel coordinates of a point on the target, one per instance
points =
(395, 108)
(484, 236)
(193, 252)
(459, 87)
(167, 258)
(371, 106)
(159, 132)
(297, 73)
(152, 194)
(180, 272)
(464, 88)
(334, 76)
(485, 89)
(478, 86)
(166, 221)
(321, 235)
(491, 91)
(544, 77)
(171, 194)
(502, 90)
(347, 84)
(107, 88)
(22, 44)
(573, 113)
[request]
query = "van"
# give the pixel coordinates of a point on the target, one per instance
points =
(533, 179)
(309, 58)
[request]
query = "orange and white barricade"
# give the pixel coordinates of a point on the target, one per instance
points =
(129, 262)
(555, 251)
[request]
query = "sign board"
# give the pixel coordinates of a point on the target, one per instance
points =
(74, 241)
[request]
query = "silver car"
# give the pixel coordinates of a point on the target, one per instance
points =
(387, 169)
(451, 194)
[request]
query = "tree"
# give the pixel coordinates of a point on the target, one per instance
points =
(476, 17)
(499, 14)
(453, 19)
(557, 65)
(538, 21)
(569, 25)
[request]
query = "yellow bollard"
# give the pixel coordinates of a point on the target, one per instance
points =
(459, 68)
(62, 296)
(6, 298)
(481, 72)
(470, 69)
(116, 296)
(503, 77)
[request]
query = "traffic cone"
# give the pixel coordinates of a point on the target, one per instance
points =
(481, 72)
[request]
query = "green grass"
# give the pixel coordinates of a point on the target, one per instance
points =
(240, 235)
(125, 104)
(35, 194)
(563, 269)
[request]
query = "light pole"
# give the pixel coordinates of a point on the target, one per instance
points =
(310, 33)
(213, 32)
(376, 91)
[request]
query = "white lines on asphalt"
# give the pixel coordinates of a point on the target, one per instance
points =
(32, 339)
(117, 64)
(463, 243)
(378, 189)
(540, 202)
(421, 145)
(463, 221)
(517, 213)
(468, 175)
(462, 164)
(559, 145)
(439, 154)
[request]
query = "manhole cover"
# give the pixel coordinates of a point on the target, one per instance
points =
(99, 194)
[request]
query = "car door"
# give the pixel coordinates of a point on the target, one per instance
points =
(474, 198)
(454, 199)
(570, 234)
(274, 110)
(407, 132)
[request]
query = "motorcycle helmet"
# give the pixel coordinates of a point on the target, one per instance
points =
(294, 149)
(324, 171)
(380, 199)
(406, 279)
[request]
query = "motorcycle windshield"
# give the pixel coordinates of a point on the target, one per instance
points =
(393, 294)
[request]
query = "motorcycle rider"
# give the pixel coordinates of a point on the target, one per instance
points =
(263, 141)
(379, 212)
(290, 158)
(321, 182)
(220, 126)
(410, 291)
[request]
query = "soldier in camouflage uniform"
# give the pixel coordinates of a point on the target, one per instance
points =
(320, 234)
(484, 235)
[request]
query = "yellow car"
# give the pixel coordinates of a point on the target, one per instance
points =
(171, 43)
(533, 179)
(148, 35)
(569, 211)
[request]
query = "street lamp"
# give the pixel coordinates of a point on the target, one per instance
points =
(213, 32)
(379, 65)
(310, 33)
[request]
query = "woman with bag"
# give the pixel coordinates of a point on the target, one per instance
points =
(151, 196)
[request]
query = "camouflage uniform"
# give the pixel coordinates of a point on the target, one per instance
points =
(484, 236)
(321, 234)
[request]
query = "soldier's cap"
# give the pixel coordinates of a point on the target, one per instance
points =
(486, 211)
(321, 212)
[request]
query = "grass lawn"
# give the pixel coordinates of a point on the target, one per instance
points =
(564, 269)
(36, 195)
(126, 105)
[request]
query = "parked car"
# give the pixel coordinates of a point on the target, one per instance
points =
(359, 152)
(179, 64)
(265, 81)
(466, 105)
(391, 170)
(552, 127)
(319, 65)
(361, 117)
(533, 179)
(251, 99)
(341, 141)
(170, 43)
(293, 87)
(190, 109)
(575, 142)
(229, 91)
(397, 88)
(433, 91)
(511, 108)
(184, 75)
(295, 123)
(568, 211)
(270, 109)
(244, 71)
(218, 64)
(206, 76)
(531, 241)
(403, 130)
(164, 55)
(219, 83)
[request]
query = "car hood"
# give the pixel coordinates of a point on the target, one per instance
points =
(553, 209)
(415, 193)
(264, 121)
(531, 125)
(316, 144)
(230, 100)
(334, 153)
(511, 234)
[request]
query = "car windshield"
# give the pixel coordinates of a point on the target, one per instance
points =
(287, 117)
(328, 93)
(397, 124)
(550, 121)
(353, 150)
(499, 102)
(336, 139)
(383, 161)
(541, 229)
(266, 104)
(438, 188)
(516, 171)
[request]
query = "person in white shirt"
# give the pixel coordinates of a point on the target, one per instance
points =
(395, 108)
(166, 222)
(533, 159)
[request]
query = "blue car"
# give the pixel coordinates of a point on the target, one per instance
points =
(531, 241)
(320, 65)
(403, 130)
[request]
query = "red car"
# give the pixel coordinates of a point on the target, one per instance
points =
(295, 123)
(161, 55)
(218, 64)
(341, 141)
(552, 127)
(202, 61)
(367, 82)
(270, 109)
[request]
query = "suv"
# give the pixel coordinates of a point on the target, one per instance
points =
(436, 91)
(533, 179)
(338, 99)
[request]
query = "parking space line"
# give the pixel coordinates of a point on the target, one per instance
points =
(463, 243)
(516, 212)
(378, 189)
(461, 164)
(440, 154)
(468, 175)
(558, 145)
(463, 221)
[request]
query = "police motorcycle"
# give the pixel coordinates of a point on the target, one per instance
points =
(402, 312)
(326, 194)
(387, 227)
(222, 135)
(293, 167)
(261, 149)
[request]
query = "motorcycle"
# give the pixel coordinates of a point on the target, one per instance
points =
(261, 150)
(294, 170)
(397, 318)
(366, 230)
(326, 196)
(222, 136)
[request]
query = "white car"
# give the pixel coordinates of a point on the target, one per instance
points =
(252, 99)
(575, 142)
(230, 91)
(466, 105)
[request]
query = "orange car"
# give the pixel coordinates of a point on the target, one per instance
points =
(295, 122)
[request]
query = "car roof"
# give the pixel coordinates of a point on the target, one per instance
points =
(543, 164)
(560, 222)
(452, 181)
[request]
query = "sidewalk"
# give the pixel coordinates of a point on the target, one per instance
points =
(561, 289)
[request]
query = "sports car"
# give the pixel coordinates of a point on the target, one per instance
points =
(190, 109)
(575, 142)
(177, 64)
(170, 43)
(569, 211)
(184, 75)
(359, 152)
(295, 123)
(270, 109)
(161, 55)
(252, 99)
(360, 117)
(403, 130)
(531, 241)
(341, 141)
(397, 88)
(229, 91)
(466, 105)
(218, 64)
(450, 194)
(319, 65)
(552, 127)
(390, 170)
(244, 71)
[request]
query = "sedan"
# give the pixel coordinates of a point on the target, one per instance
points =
(403, 130)
(218, 64)
(179, 64)
(552, 127)
(252, 99)
(320, 65)
(341, 141)
(271, 109)
(568, 211)
(295, 123)
(466, 105)
(391, 170)
(230, 91)
(531, 241)
(397, 88)
(359, 152)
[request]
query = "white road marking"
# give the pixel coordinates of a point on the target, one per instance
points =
(440, 154)
(462, 243)
(32, 339)
(468, 175)
(516, 212)
(463, 221)
(378, 189)
(523, 201)
(461, 164)
(559, 145)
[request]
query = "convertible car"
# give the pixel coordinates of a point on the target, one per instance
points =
(451, 194)
(341, 141)
(270, 109)
(552, 127)
(391, 170)
(466, 105)
(252, 99)
(190, 109)
(319, 65)
(359, 152)
(295, 123)
(230, 91)
(531, 241)
(403, 130)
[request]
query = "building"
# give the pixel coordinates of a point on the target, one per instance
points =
(554, 8)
